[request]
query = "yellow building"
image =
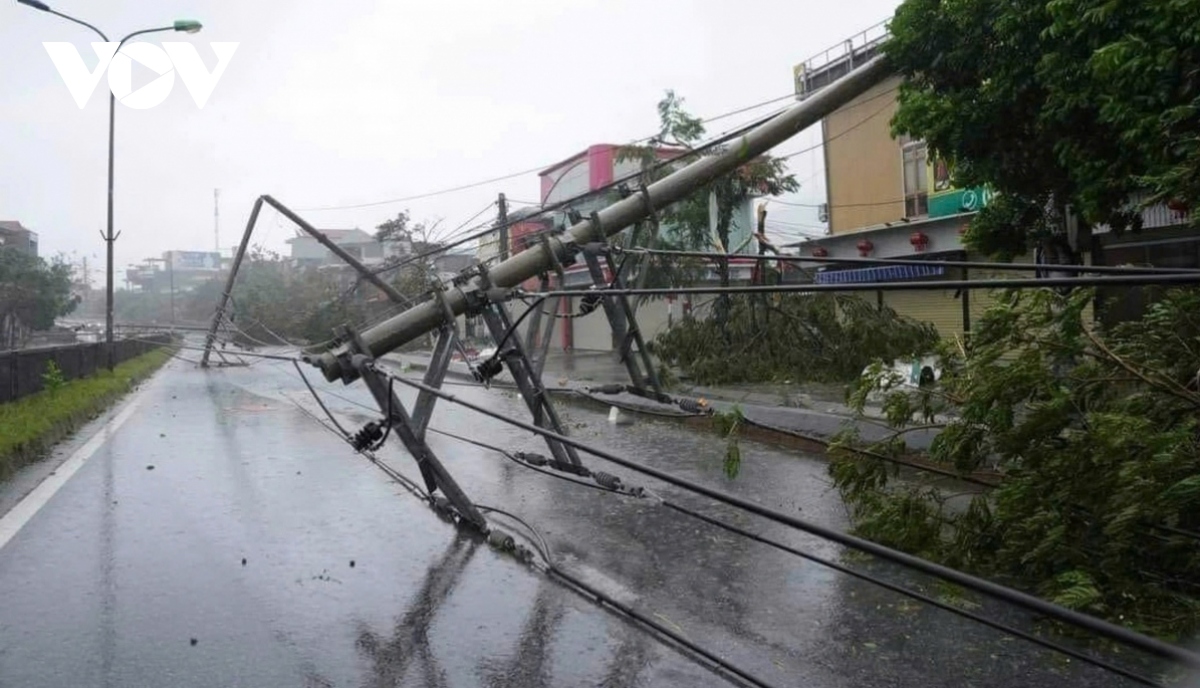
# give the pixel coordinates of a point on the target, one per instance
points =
(887, 199)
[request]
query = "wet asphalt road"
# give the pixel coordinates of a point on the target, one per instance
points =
(260, 551)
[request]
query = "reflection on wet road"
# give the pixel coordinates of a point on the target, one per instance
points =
(223, 538)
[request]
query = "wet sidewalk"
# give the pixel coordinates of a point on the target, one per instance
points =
(803, 410)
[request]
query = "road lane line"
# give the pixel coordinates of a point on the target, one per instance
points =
(12, 522)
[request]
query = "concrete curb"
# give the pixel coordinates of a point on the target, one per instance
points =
(813, 427)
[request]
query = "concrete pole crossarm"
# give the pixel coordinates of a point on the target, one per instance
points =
(338, 251)
(229, 282)
(403, 328)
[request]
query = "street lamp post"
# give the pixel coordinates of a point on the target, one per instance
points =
(186, 25)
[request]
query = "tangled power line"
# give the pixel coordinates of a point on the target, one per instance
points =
(605, 482)
(356, 354)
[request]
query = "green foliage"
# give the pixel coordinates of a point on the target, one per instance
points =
(52, 378)
(395, 229)
(729, 424)
(686, 224)
(32, 424)
(798, 337)
(274, 296)
(1053, 103)
(1096, 434)
(35, 291)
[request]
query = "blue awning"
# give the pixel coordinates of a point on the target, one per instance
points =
(883, 273)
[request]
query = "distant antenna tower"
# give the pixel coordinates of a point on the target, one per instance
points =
(217, 220)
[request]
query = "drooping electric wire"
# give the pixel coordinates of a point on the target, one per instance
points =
(1175, 279)
(513, 175)
(874, 580)
(971, 264)
(979, 585)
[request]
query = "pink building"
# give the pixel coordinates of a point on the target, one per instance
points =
(590, 170)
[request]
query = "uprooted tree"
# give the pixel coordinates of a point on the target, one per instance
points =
(1091, 430)
(1093, 436)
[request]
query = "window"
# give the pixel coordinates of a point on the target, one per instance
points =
(916, 178)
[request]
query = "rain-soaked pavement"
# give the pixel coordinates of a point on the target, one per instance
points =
(220, 537)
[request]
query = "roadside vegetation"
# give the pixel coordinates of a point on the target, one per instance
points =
(792, 338)
(1095, 433)
(32, 425)
(33, 292)
(1076, 114)
(275, 298)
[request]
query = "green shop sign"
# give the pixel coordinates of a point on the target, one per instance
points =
(947, 200)
(955, 201)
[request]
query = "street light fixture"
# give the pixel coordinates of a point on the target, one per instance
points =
(183, 25)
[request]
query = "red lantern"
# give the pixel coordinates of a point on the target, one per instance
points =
(919, 241)
(1177, 205)
(820, 251)
(865, 247)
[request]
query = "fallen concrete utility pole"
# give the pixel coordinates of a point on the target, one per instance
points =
(211, 339)
(315, 233)
(423, 318)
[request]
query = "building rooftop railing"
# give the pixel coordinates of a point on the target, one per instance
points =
(838, 60)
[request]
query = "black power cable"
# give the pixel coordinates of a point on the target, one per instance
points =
(512, 175)
(901, 590)
(544, 549)
(975, 265)
(980, 585)
(1131, 280)
(558, 205)
(579, 585)
(920, 597)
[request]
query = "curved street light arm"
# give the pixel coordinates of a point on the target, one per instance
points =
(138, 33)
(78, 21)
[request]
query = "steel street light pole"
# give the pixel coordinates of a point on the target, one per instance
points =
(185, 25)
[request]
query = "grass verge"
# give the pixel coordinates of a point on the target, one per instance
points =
(32, 425)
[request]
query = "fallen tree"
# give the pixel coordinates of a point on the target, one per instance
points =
(794, 337)
(1096, 435)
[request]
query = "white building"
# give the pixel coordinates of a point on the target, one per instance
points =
(306, 250)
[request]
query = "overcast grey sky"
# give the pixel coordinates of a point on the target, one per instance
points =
(330, 103)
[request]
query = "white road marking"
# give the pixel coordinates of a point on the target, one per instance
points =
(12, 522)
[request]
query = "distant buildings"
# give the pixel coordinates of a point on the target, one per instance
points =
(583, 181)
(15, 236)
(176, 271)
(306, 250)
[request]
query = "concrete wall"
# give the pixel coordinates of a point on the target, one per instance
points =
(864, 171)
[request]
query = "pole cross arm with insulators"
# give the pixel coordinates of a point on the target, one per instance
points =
(428, 316)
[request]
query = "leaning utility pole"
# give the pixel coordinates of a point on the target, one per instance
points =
(502, 205)
(223, 303)
(229, 282)
(491, 286)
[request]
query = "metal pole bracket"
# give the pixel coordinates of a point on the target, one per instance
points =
(410, 432)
